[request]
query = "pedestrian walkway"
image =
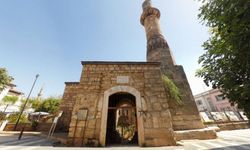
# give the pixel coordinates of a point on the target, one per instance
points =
(227, 140)
(26, 143)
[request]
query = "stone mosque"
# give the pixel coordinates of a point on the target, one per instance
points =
(123, 103)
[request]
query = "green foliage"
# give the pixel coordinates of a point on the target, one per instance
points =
(2, 116)
(28, 105)
(13, 118)
(50, 105)
(36, 104)
(173, 90)
(34, 124)
(226, 61)
(10, 100)
(5, 79)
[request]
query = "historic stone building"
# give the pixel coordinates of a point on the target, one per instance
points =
(127, 102)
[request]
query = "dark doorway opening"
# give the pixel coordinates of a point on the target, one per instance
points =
(122, 120)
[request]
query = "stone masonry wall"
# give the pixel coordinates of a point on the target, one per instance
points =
(146, 78)
(184, 117)
(67, 104)
(187, 116)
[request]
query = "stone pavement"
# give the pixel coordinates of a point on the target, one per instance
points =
(227, 140)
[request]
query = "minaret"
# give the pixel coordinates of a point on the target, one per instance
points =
(39, 95)
(159, 51)
(157, 47)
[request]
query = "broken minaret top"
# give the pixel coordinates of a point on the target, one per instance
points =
(146, 4)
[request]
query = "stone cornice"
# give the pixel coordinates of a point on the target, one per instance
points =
(118, 63)
(68, 83)
(148, 12)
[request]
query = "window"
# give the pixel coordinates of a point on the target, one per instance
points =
(199, 102)
(211, 105)
(220, 97)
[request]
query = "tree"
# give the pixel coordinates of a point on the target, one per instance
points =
(50, 105)
(9, 100)
(226, 61)
(13, 118)
(36, 104)
(5, 79)
(2, 116)
(28, 105)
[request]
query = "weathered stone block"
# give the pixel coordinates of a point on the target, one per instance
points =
(157, 106)
(200, 134)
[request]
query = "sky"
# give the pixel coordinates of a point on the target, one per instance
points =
(51, 38)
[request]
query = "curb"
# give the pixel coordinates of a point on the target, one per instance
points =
(18, 132)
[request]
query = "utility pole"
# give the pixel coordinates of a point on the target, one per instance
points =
(25, 103)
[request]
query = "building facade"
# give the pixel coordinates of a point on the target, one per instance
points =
(213, 101)
(93, 107)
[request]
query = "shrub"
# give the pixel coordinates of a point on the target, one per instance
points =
(173, 90)
(13, 118)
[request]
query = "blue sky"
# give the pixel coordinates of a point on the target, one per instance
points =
(52, 37)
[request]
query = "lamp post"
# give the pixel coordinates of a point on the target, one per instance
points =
(25, 103)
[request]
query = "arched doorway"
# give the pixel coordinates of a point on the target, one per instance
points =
(105, 105)
(122, 120)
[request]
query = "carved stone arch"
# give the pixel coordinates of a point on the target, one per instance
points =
(107, 94)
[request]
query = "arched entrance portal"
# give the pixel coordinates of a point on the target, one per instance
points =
(105, 104)
(122, 120)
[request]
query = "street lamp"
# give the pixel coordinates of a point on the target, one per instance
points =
(25, 103)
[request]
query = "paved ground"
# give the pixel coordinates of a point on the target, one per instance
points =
(227, 140)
